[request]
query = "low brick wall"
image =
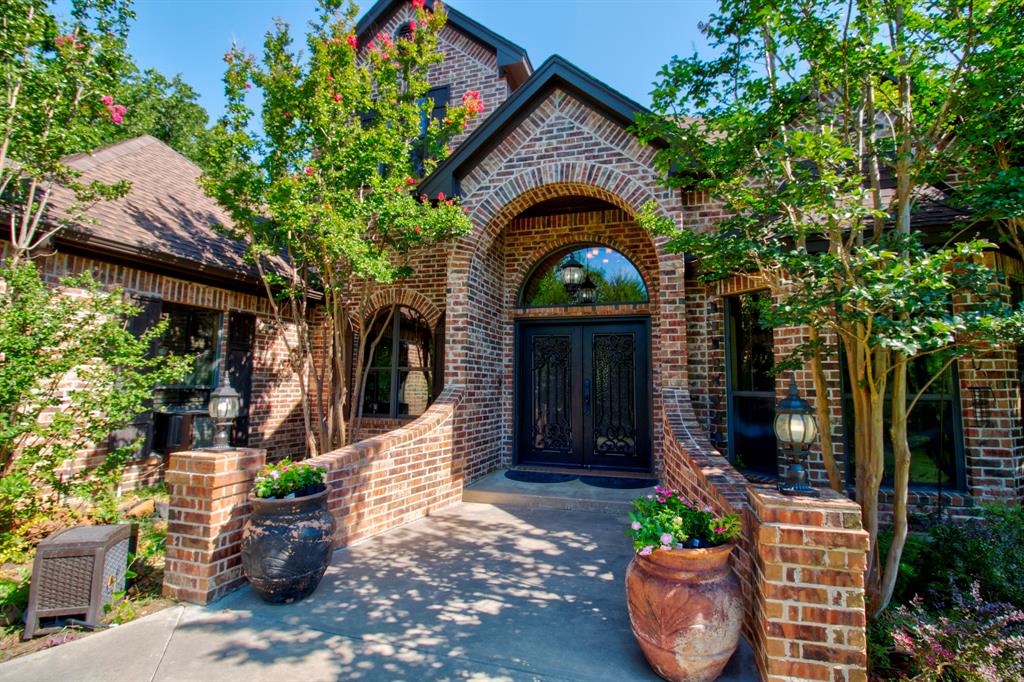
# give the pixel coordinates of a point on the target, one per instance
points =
(389, 480)
(809, 586)
(375, 485)
(801, 561)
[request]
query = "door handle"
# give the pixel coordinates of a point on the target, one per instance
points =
(586, 397)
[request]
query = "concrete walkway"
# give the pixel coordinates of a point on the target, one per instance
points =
(473, 592)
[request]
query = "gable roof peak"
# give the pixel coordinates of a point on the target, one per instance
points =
(513, 61)
(556, 72)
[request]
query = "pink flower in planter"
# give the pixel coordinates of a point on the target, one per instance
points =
(419, 4)
(665, 547)
(635, 525)
(353, 41)
(646, 550)
(661, 500)
(719, 529)
(412, 26)
(275, 475)
(666, 539)
(107, 99)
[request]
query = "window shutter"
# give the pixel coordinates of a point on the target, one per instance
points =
(142, 425)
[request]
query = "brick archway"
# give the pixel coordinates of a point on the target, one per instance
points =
(479, 329)
(492, 211)
(396, 296)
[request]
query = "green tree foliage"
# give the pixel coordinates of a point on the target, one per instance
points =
(71, 373)
(822, 127)
(329, 183)
(57, 80)
(167, 109)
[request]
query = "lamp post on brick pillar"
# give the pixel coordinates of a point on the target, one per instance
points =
(795, 428)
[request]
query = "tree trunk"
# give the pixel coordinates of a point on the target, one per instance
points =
(901, 483)
(363, 366)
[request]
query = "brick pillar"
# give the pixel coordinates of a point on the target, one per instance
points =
(808, 587)
(208, 508)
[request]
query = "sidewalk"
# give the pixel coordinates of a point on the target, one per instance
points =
(472, 592)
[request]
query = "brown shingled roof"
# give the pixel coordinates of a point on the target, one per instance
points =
(166, 216)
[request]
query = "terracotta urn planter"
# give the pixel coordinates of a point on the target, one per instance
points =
(286, 545)
(686, 610)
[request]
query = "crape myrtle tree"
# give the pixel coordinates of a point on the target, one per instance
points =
(58, 81)
(328, 184)
(821, 125)
(71, 372)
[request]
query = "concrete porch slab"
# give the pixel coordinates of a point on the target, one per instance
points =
(574, 495)
(472, 592)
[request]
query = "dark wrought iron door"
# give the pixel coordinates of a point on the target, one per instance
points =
(583, 395)
(550, 407)
(616, 414)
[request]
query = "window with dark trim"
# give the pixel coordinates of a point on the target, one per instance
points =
(750, 357)
(190, 332)
(400, 368)
(437, 102)
(934, 427)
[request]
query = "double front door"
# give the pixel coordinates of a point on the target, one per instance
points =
(583, 395)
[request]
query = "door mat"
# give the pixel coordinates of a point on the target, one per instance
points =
(619, 483)
(538, 476)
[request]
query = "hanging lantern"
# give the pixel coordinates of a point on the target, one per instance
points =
(571, 273)
(588, 291)
(795, 429)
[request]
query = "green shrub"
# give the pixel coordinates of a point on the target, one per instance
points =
(959, 554)
(286, 478)
(72, 373)
(974, 640)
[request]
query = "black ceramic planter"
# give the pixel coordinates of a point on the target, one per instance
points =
(287, 545)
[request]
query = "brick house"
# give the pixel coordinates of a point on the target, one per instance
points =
(490, 361)
(549, 172)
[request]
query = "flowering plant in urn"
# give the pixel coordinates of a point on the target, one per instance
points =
(286, 479)
(685, 604)
(666, 520)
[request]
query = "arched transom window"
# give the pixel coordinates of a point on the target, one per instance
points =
(588, 274)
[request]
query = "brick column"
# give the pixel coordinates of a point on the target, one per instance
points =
(808, 591)
(208, 508)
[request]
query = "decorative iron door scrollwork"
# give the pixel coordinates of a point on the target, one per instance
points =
(583, 394)
(552, 393)
(614, 393)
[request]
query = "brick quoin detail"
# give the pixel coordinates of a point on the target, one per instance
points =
(207, 512)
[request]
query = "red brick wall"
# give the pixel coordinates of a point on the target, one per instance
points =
(563, 148)
(389, 480)
(206, 514)
(375, 485)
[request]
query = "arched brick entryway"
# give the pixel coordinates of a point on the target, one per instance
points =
(486, 271)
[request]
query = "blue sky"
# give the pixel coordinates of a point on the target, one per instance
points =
(622, 43)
